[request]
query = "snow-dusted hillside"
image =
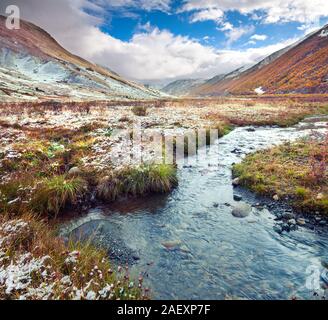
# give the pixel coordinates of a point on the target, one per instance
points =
(34, 66)
(182, 87)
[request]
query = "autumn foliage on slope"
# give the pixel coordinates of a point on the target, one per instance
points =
(302, 69)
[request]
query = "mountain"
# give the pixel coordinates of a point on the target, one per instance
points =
(182, 87)
(300, 68)
(34, 66)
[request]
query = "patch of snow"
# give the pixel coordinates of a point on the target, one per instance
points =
(259, 91)
(324, 33)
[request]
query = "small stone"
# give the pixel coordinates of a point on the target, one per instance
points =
(287, 215)
(301, 222)
(286, 227)
(170, 245)
(251, 129)
(317, 219)
(276, 197)
(241, 210)
(292, 222)
(322, 223)
(320, 196)
(135, 258)
(75, 171)
(278, 229)
(237, 197)
(279, 216)
(215, 205)
(324, 263)
(236, 182)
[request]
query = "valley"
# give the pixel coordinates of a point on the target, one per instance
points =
(207, 189)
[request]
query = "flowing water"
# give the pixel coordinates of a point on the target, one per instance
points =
(189, 245)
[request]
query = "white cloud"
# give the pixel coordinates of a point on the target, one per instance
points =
(151, 54)
(275, 11)
(226, 26)
(259, 37)
(235, 34)
(162, 5)
(208, 14)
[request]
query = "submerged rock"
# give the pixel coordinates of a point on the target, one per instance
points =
(324, 276)
(171, 245)
(237, 197)
(278, 228)
(241, 210)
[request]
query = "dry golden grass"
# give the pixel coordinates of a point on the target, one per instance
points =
(297, 172)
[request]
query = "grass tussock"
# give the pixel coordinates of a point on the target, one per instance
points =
(138, 181)
(53, 194)
(297, 172)
(140, 111)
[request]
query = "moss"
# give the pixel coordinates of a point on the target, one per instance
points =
(302, 192)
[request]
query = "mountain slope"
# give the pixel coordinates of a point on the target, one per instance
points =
(300, 68)
(33, 65)
(182, 87)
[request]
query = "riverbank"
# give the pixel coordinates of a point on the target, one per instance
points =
(294, 172)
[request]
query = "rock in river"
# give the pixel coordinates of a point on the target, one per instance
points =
(287, 215)
(171, 245)
(241, 210)
(278, 229)
(237, 197)
(276, 197)
(236, 182)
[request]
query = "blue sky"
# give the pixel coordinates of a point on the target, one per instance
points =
(207, 32)
(158, 41)
(123, 22)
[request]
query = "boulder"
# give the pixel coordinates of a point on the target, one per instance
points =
(241, 210)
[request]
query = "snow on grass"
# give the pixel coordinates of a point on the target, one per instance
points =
(76, 275)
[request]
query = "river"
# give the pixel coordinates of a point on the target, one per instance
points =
(188, 245)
